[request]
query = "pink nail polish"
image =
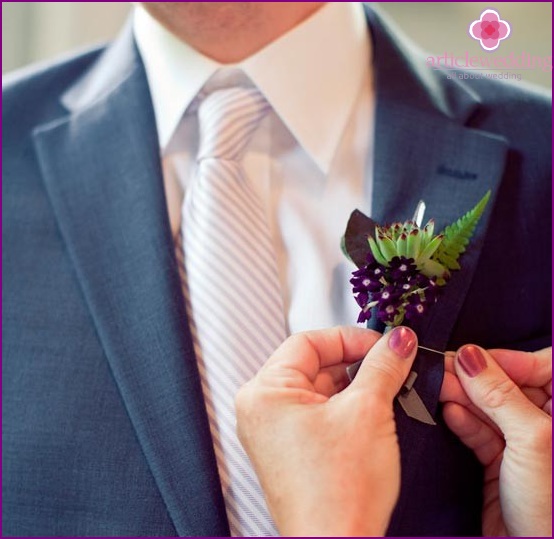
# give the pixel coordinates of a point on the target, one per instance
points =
(402, 341)
(471, 359)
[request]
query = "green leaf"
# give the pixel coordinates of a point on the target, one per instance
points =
(432, 268)
(354, 242)
(450, 262)
(458, 234)
(402, 245)
(426, 234)
(430, 227)
(387, 247)
(414, 241)
(376, 252)
(432, 246)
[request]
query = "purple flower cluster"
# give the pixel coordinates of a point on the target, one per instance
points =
(398, 290)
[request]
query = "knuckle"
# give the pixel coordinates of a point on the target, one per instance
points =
(390, 373)
(497, 394)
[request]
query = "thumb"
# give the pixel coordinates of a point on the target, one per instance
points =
(388, 363)
(493, 391)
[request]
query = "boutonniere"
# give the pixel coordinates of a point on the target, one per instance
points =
(402, 269)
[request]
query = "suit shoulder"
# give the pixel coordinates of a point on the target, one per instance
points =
(520, 111)
(31, 95)
(517, 110)
(505, 95)
(502, 93)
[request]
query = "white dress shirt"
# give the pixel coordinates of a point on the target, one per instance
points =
(310, 160)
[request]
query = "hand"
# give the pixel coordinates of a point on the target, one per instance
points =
(327, 457)
(499, 403)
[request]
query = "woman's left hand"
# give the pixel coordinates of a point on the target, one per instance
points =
(327, 457)
(499, 403)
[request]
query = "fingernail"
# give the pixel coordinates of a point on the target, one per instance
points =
(402, 341)
(471, 360)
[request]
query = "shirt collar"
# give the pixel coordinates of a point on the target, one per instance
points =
(311, 75)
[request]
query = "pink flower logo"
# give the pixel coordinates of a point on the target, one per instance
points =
(490, 29)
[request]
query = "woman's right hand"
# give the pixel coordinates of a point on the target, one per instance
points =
(499, 403)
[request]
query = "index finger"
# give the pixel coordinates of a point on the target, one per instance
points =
(310, 351)
(532, 369)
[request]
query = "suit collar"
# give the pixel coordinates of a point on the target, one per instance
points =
(403, 77)
(115, 66)
(101, 169)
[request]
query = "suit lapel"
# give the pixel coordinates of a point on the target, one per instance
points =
(426, 149)
(102, 172)
(413, 159)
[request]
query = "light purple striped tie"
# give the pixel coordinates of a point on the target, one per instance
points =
(233, 295)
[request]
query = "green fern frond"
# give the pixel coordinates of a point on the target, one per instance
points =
(458, 234)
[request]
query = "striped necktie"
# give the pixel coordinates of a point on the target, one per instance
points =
(232, 289)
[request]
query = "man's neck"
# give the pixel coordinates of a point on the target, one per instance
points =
(228, 32)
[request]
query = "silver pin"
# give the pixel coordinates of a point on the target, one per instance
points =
(432, 350)
(419, 213)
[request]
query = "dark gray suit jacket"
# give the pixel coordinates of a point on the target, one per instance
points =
(104, 427)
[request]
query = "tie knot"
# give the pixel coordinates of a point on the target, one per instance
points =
(227, 120)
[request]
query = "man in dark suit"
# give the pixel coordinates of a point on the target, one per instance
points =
(105, 430)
